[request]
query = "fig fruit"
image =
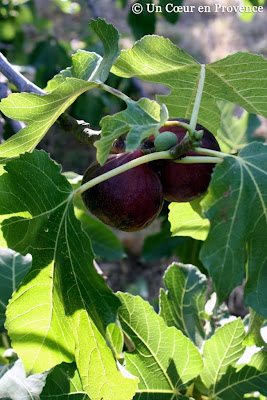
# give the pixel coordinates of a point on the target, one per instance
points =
(129, 201)
(165, 141)
(185, 182)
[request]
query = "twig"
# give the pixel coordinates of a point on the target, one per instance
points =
(21, 83)
(80, 129)
(16, 125)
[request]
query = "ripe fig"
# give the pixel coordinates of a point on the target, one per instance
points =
(185, 182)
(129, 201)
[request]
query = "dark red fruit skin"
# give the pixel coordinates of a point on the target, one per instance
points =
(185, 182)
(129, 201)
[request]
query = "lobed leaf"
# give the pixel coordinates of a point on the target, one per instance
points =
(240, 78)
(221, 351)
(61, 309)
(91, 66)
(163, 359)
(141, 119)
(183, 303)
(248, 378)
(40, 112)
(236, 207)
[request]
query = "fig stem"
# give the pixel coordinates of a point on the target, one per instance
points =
(194, 116)
(209, 152)
(199, 160)
(115, 92)
(161, 155)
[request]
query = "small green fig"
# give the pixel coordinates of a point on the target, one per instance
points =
(165, 141)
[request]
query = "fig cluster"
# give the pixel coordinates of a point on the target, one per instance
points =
(132, 200)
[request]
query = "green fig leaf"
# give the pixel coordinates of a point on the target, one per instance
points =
(13, 268)
(141, 119)
(236, 133)
(65, 383)
(236, 208)
(40, 112)
(163, 358)
(221, 351)
(240, 78)
(186, 220)
(116, 340)
(247, 378)
(61, 310)
(183, 303)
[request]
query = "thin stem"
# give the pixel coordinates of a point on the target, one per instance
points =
(194, 116)
(199, 160)
(209, 152)
(125, 167)
(115, 92)
(161, 155)
(5, 340)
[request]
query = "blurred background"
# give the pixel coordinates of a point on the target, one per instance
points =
(39, 37)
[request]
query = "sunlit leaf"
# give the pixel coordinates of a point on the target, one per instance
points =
(186, 220)
(62, 308)
(221, 351)
(240, 78)
(163, 358)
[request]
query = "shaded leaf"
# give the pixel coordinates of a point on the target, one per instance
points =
(171, 17)
(13, 268)
(160, 245)
(236, 133)
(253, 336)
(64, 382)
(244, 379)
(163, 358)
(183, 304)
(63, 306)
(236, 207)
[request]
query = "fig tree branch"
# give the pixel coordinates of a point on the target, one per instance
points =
(80, 129)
